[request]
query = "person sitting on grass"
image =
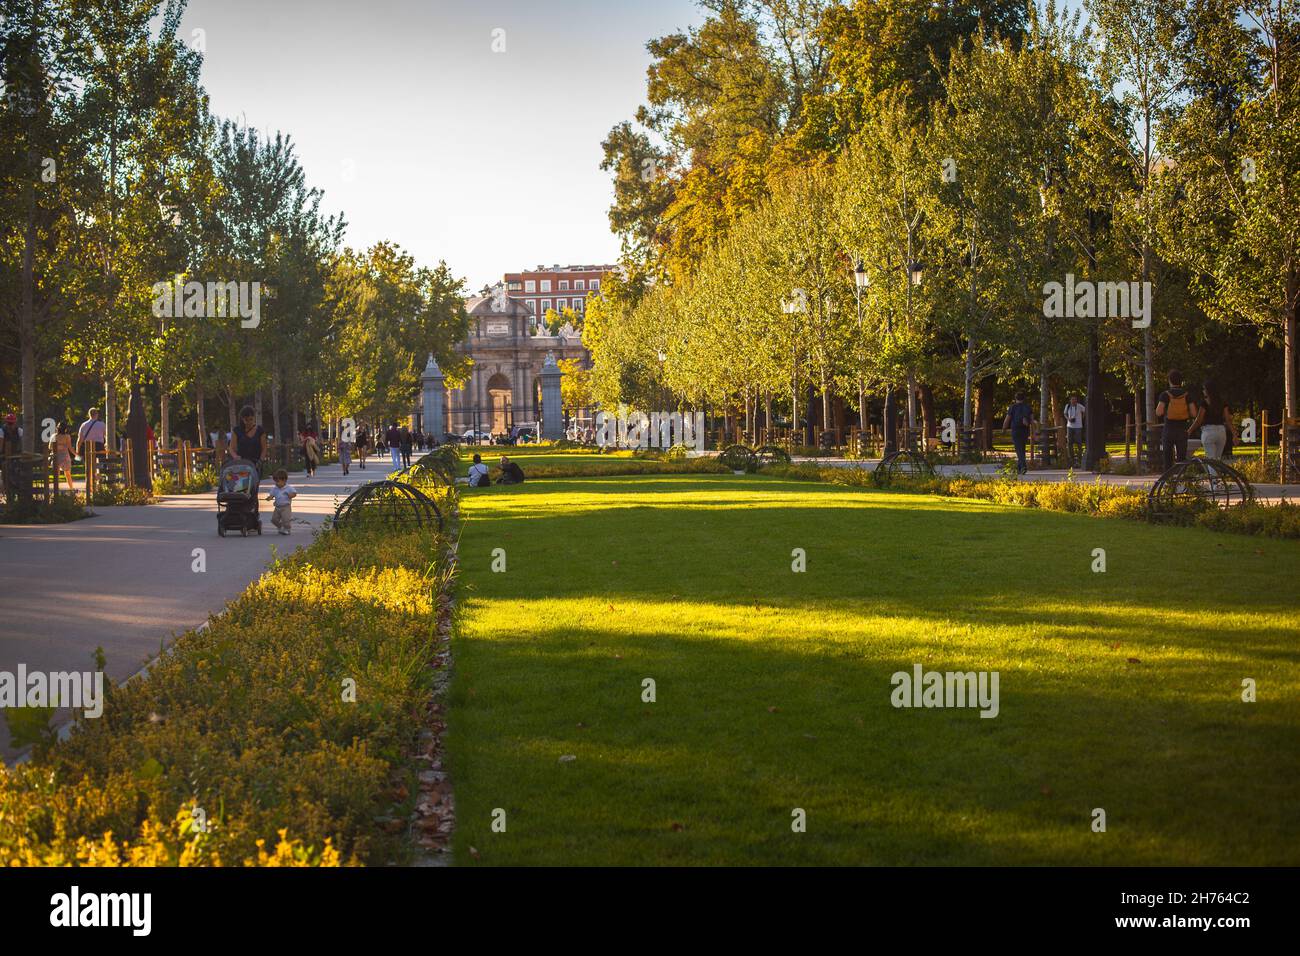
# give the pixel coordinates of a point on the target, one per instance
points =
(478, 473)
(282, 494)
(511, 474)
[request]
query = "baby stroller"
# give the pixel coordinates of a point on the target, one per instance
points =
(237, 498)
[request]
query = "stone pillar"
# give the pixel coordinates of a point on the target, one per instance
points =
(552, 415)
(432, 379)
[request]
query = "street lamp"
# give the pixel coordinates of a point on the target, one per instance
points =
(792, 307)
(860, 282)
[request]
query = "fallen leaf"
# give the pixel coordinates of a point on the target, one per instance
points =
(1134, 660)
(677, 827)
(473, 852)
(1046, 791)
(773, 710)
(567, 758)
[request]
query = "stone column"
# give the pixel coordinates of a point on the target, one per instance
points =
(432, 380)
(552, 416)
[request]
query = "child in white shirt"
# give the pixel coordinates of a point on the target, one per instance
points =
(282, 494)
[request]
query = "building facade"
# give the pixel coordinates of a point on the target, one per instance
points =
(508, 352)
(557, 287)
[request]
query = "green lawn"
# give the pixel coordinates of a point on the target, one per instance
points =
(1119, 690)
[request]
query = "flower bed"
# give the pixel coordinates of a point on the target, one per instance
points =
(287, 724)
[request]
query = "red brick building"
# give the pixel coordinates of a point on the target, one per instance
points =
(556, 287)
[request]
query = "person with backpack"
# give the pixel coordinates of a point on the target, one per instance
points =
(1074, 413)
(1020, 419)
(1178, 409)
(478, 473)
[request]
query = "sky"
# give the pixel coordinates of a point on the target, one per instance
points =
(419, 133)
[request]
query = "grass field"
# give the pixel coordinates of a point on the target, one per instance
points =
(1119, 690)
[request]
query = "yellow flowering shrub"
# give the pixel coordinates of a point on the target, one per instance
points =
(284, 724)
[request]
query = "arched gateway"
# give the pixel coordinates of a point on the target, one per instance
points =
(504, 387)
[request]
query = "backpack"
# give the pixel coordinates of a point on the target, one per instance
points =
(1176, 410)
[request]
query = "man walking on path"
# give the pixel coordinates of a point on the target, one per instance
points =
(1177, 408)
(1074, 412)
(90, 433)
(1020, 419)
(393, 439)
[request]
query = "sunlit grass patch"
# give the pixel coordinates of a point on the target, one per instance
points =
(1119, 690)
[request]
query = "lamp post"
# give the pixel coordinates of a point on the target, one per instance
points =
(860, 282)
(792, 307)
(914, 270)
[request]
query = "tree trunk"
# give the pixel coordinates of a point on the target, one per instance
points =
(968, 383)
(911, 403)
(1094, 407)
(137, 430)
(928, 424)
(164, 415)
(201, 421)
(826, 406)
(984, 411)
(1044, 412)
(275, 412)
(27, 321)
(110, 414)
(1289, 356)
(1057, 396)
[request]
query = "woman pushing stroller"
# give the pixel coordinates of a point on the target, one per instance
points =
(250, 438)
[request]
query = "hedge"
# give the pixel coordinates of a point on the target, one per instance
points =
(1093, 498)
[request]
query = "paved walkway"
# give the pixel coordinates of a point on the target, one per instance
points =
(124, 579)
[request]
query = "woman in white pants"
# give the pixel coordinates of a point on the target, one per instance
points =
(1214, 419)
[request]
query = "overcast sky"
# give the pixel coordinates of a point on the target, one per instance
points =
(419, 133)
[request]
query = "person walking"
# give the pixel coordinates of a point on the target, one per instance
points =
(1020, 419)
(1074, 414)
(1176, 406)
(282, 494)
(61, 450)
(363, 446)
(393, 439)
(91, 433)
(345, 452)
(310, 451)
(1214, 419)
(405, 441)
(249, 442)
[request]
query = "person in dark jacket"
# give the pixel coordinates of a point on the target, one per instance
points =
(1020, 419)
(511, 474)
(405, 442)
